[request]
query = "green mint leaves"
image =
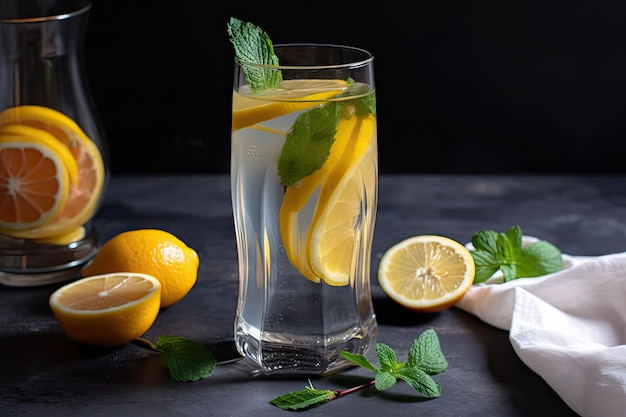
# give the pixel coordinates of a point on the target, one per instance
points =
(504, 251)
(312, 135)
(308, 143)
(253, 46)
(425, 358)
(308, 397)
(185, 359)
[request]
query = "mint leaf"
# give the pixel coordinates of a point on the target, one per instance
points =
(486, 241)
(185, 359)
(384, 380)
(539, 258)
(308, 143)
(495, 251)
(426, 354)
(366, 105)
(509, 271)
(386, 357)
(359, 360)
(420, 381)
(253, 46)
(486, 263)
(305, 398)
(310, 139)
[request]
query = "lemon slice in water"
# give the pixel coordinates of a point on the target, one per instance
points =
(326, 250)
(294, 95)
(337, 225)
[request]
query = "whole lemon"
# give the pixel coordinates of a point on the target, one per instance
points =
(150, 251)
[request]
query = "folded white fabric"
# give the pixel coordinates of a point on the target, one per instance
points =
(569, 327)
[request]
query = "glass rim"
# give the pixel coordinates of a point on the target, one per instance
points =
(48, 18)
(368, 58)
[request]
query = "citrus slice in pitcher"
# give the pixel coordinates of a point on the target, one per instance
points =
(53, 121)
(65, 239)
(294, 95)
(34, 180)
(83, 195)
(44, 137)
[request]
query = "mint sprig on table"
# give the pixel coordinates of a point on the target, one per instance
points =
(425, 358)
(185, 359)
(310, 139)
(504, 251)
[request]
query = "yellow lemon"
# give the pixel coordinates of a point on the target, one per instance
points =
(426, 273)
(153, 252)
(295, 95)
(107, 310)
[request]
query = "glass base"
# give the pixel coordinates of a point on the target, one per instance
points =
(34, 280)
(297, 354)
(26, 263)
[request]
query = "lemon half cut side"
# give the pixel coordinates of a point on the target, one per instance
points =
(426, 273)
(109, 309)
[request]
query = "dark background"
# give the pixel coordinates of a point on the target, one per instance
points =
(467, 86)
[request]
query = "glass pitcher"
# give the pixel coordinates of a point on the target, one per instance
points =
(54, 164)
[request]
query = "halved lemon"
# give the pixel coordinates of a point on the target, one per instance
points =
(294, 95)
(426, 273)
(109, 309)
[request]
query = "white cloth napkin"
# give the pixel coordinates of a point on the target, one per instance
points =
(569, 327)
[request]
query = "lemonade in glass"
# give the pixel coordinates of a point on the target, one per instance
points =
(304, 179)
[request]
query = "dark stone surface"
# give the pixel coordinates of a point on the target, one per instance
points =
(43, 373)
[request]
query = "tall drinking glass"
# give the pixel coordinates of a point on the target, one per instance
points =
(304, 178)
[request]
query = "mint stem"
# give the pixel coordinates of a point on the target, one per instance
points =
(146, 343)
(343, 392)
